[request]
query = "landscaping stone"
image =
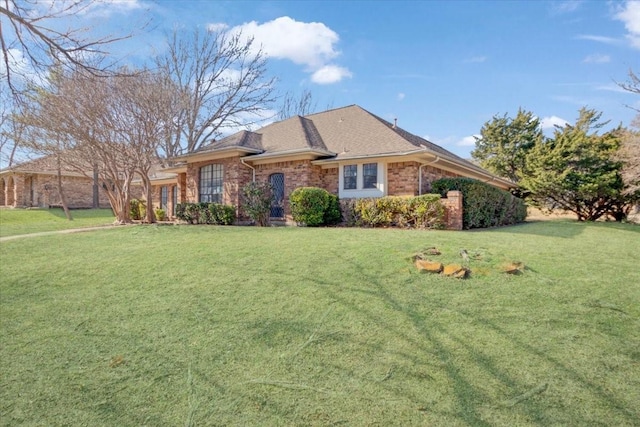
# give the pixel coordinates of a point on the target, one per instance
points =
(428, 266)
(455, 270)
(514, 267)
(432, 251)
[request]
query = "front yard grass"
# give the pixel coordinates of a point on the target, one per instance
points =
(25, 221)
(202, 325)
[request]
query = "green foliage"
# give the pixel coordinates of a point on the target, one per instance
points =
(221, 214)
(332, 214)
(160, 214)
(424, 211)
(138, 209)
(206, 213)
(577, 171)
(257, 198)
(483, 205)
(504, 143)
(314, 206)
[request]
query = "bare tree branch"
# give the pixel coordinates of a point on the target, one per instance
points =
(301, 106)
(31, 44)
(224, 83)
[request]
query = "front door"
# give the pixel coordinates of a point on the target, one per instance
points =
(277, 206)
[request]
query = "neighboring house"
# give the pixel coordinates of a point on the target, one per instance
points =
(35, 184)
(348, 151)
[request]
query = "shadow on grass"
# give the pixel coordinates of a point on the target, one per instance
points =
(446, 347)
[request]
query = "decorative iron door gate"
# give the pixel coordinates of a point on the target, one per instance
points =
(277, 183)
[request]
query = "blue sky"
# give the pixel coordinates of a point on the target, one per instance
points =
(441, 68)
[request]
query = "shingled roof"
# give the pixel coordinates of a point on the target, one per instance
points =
(347, 132)
(337, 135)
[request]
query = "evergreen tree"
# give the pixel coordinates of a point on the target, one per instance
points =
(577, 170)
(504, 143)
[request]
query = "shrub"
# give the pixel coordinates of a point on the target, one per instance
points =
(348, 210)
(332, 214)
(257, 198)
(180, 208)
(314, 206)
(424, 211)
(221, 214)
(483, 205)
(206, 213)
(137, 209)
(160, 214)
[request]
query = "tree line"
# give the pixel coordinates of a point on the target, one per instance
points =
(579, 169)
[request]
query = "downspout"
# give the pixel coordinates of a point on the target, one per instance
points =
(420, 173)
(250, 167)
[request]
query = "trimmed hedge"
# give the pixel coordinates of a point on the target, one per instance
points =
(424, 211)
(206, 213)
(314, 206)
(483, 205)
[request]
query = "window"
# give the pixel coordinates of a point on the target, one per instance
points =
(369, 175)
(211, 183)
(350, 177)
(164, 198)
(174, 199)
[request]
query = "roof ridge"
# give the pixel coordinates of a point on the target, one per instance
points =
(312, 135)
(329, 110)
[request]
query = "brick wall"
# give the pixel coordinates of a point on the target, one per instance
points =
(432, 173)
(297, 173)
(403, 178)
(453, 210)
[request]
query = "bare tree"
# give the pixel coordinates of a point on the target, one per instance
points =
(223, 81)
(293, 105)
(146, 107)
(32, 40)
(112, 124)
(629, 152)
(629, 155)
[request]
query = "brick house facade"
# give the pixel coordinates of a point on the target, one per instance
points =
(347, 151)
(35, 184)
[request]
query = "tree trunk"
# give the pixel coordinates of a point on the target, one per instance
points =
(150, 216)
(63, 198)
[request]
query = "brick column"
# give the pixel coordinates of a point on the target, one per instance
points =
(453, 208)
(19, 191)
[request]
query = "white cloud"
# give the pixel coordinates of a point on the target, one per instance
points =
(567, 6)
(311, 44)
(305, 43)
(468, 141)
(330, 74)
(630, 15)
(599, 39)
(106, 8)
(597, 58)
(401, 96)
(611, 88)
(552, 122)
(217, 26)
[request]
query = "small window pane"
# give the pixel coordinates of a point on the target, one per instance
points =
(164, 197)
(211, 183)
(369, 175)
(350, 177)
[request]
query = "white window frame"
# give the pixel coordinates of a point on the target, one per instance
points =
(379, 190)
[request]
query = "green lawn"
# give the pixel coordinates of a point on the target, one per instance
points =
(25, 221)
(202, 325)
